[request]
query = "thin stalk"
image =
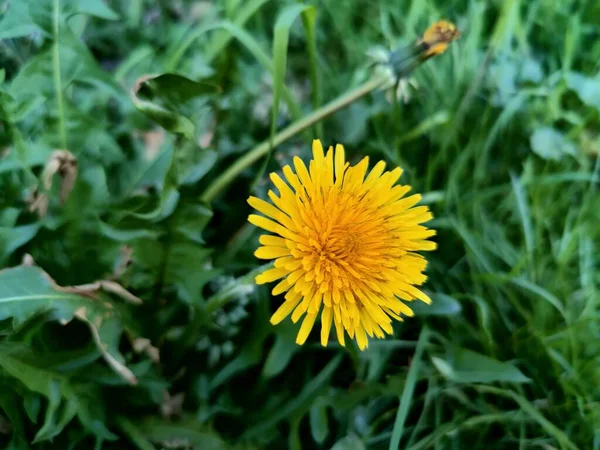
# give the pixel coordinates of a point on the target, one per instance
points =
(62, 130)
(263, 148)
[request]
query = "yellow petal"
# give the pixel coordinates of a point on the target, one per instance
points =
(326, 320)
(425, 245)
(271, 275)
(302, 172)
(329, 166)
(376, 172)
(270, 252)
(263, 207)
(302, 307)
(285, 309)
(361, 338)
(340, 162)
(264, 223)
(267, 239)
(339, 329)
(280, 288)
(307, 325)
(317, 149)
(282, 187)
(292, 179)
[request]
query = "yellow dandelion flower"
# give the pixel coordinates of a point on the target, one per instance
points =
(344, 245)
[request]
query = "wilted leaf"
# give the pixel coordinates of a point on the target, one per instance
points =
(63, 163)
(466, 366)
(551, 144)
(172, 405)
(26, 291)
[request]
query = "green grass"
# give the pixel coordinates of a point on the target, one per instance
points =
(500, 135)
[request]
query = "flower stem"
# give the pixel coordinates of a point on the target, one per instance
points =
(263, 148)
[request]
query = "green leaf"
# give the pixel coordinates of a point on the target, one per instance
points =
(64, 400)
(26, 291)
(350, 442)
(192, 432)
(161, 97)
(551, 144)
(441, 305)
(13, 238)
(588, 89)
(33, 155)
(196, 171)
(283, 351)
(301, 402)
(319, 423)
(26, 17)
(134, 434)
(245, 12)
(172, 90)
(19, 20)
(466, 366)
(126, 235)
(10, 403)
(96, 8)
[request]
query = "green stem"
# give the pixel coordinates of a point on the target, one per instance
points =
(263, 148)
(62, 130)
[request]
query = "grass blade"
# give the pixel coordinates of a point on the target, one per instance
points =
(409, 389)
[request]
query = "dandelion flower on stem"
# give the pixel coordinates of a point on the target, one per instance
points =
(345, 246)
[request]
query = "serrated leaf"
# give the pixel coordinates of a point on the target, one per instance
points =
(26, 291)
(551, 144)
(466, 366)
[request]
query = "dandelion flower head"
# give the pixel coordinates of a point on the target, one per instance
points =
(345, 246)
(437, 37)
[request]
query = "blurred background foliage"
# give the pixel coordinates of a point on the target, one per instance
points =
(128, 313)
